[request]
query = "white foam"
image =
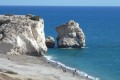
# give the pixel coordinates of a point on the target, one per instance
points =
(68, 48)
(84, 47)
(48, 57)
(69, 69)
(75, 48)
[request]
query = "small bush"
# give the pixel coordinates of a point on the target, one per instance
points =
(9, 14)
(4, 22)
(29, 79)
(36, 18)
(7, 21)
(10, 72)
(1, 70)
(29, 15)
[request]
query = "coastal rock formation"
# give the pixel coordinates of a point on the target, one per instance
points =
(50, 42)
(20, 34)
(70, 35)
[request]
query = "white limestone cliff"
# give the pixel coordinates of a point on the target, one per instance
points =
(70, 35)
(20, 34)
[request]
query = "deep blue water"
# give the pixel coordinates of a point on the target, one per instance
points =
(101, 25)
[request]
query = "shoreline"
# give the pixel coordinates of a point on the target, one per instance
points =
(25, 67)
(71, 70)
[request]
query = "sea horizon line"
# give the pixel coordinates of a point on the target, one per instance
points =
(51, 6)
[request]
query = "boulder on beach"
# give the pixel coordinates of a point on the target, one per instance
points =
(50, 42)
(70, 35)
(21, 34)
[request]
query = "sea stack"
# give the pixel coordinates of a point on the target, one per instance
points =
(22, 34)
(50, 42)
(70, 35)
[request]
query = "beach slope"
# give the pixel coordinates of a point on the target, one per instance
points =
(25, 67)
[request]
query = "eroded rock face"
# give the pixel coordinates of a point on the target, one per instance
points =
(70, 35)
(50, 42)
(21, 35)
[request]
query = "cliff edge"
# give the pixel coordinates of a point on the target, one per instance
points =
(22, 34)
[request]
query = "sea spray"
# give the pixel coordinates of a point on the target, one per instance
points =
(57, 64)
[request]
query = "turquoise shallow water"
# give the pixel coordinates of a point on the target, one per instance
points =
(96, 62)
(101, 25)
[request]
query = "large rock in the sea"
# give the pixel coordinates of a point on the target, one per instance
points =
(70, 35)
(50, 42)
(20, 34)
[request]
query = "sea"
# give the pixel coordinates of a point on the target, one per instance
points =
(101, 25)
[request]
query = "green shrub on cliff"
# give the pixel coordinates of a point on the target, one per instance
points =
(9, 14)
(36, 18)
(29, 15)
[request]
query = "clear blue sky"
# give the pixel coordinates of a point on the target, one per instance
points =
(61, 2)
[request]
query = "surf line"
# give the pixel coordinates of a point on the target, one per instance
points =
(65, 68)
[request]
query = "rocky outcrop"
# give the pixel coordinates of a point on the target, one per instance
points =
(70, 35)
(50, 42)
(20, 34)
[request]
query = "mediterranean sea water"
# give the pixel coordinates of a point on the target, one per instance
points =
(101, 25)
